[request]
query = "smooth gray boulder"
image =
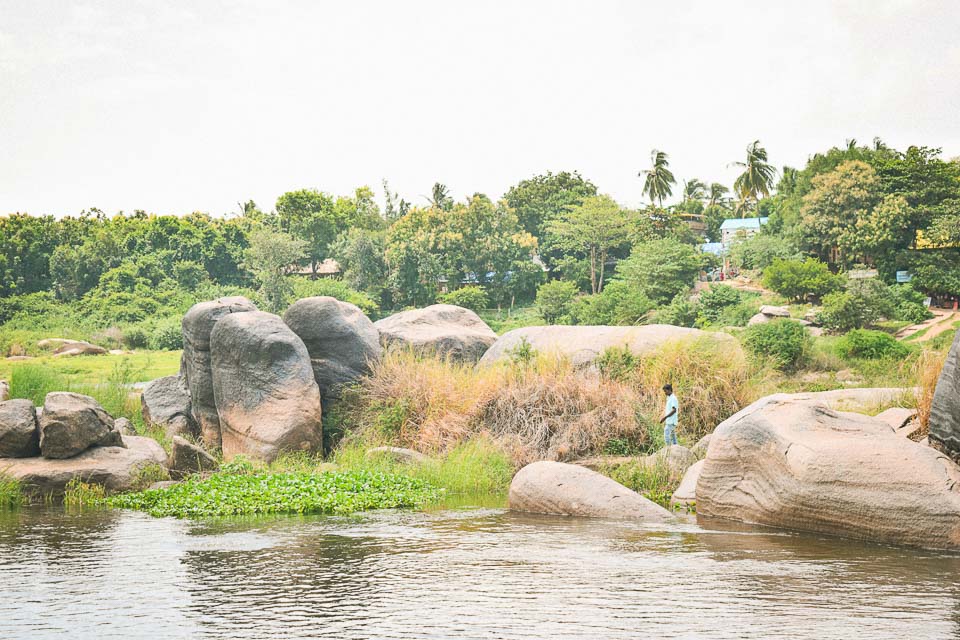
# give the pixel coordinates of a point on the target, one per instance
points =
(442, 330)
(72, 423)
(583, 344)
(165, 403)
(263, 385)
(187, 458)
(789, 461)
(945, 409)
(19, 432)
(124, 426)
(195, 364)
(571, 490)
(116, 468)
(342, 342)
(78, 348)
(686, 493)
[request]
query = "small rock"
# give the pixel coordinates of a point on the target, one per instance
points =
(758, 319)
(163, 484)
(686, 493)
(78, 349)
(52, 343)
(4, 390)
(700, 449)
(19, 435)
(187, 458)
(399, 454)
(896, 417)
(124, 426)
(776, 312)
(571, 490)
(72, 423)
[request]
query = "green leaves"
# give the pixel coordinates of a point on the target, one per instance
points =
(229, 494)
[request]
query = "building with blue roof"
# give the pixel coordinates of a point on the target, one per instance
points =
(733, 228)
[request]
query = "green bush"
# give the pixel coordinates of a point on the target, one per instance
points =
(795, 279)
(739, 315)
(555, 300)
(680, 312)
(473, 298)
(617, 304)
(912, 312)
(137, 336)
(716, 299)
(861, 305)
(870, 345)
(166, 335)
(786, 342)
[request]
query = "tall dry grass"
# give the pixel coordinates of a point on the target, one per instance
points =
(545, 408)
(927, 371)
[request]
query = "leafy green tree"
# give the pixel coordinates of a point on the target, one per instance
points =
(658, 180)
(761, 249)
(555, 300)
(593, 230)
(660, 269)
(796, 279)
(469, 297)
(269, 256)
(542, 198)
(757, 176)
(361, 256)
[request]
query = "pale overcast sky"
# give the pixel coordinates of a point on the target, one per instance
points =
(174, 107)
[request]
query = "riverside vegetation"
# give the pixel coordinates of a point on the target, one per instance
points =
(552, 250)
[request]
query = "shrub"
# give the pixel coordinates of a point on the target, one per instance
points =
(617, 304)
(912, 312)
(473, 298)
(784, 341)
(714, 300)
(862, 304)
(739, 315)
(166, 335)
(555, 299)
(137, 336)
(795, 279)
(680, 312)
(871, 345)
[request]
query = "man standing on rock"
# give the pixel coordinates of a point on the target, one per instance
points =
(670, 415)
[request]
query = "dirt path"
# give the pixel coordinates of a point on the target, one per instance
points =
(941, 321)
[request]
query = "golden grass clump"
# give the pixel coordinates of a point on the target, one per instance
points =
(927, 368)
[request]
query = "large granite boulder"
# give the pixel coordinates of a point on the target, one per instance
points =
(582, 344)
(195, 367)
(72, 423)
(19, 434)
(571, 490)
(442, 330)
(165, 403)
(788, 461)
(945, 410)
(187, 458)
(265, 393)
(116, 468)
(340, 338)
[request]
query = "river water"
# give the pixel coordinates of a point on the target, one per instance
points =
(456, 573)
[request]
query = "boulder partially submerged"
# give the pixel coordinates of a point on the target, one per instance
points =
(571, 490)
(342, 341)
(165, 403)
(19, 431)
(264, 390)
(195, 365)
(72, 423)
(583, 344)
(945, 409)
(789, 461)
(118, 469)
(442, 330)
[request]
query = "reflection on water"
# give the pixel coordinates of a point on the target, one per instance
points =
(470, 573)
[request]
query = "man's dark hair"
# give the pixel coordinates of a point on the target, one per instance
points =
(668, 387)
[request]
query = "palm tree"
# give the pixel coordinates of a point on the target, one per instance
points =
(440, 197)
(659, 180)
(693, 189)
(717, 193)
(757, 177)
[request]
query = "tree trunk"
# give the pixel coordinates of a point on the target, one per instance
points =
(593, 269)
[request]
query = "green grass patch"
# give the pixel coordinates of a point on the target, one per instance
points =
(655, 481)
(11, 493)
(80, 494)
(232, 494)
(503, 320)
(473, 467)
(146, 365)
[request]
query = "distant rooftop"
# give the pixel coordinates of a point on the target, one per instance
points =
(732, 224)
(715, 248)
